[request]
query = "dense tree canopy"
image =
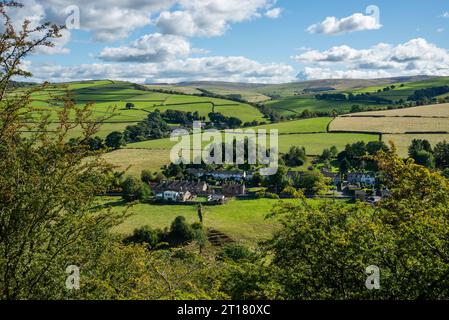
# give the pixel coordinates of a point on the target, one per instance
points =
(322, 252)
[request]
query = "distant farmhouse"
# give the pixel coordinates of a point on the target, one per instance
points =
(174, 196)
(361, 178)
(196, 188)
(216, 198)
(230, 189)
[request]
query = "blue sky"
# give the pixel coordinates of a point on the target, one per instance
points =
(242, 40)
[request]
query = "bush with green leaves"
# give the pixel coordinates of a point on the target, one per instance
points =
(115, 140)
(313, 182)
(180, 231)
(271, 195)
(290, 191)
(295, 157)
(234, 252)
(133, 189)
(147, 235)
(322, 251)
(147, 176)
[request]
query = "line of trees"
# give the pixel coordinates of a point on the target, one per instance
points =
(362, 97)
(433, 158)
(428, 93)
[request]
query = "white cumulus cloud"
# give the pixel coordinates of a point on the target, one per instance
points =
(107, 20)
(209, 18)
(327, 73)
(414, 57)
(334, 26)
(238, 69)
(273, 13)
(34, 12)
(149, 48)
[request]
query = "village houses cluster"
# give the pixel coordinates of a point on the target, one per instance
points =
(233, 183)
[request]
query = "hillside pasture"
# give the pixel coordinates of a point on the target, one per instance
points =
(315, 143)
(403, 141)
(299, 126)
(173, 88)
(296, 105)
(243, 220)
(154, 154)
(109, 99)
(406, 90)
(389, 124)
(136, 160)
(436, 110)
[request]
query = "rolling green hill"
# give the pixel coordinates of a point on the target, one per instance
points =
(242, 91)
(295, 105)
(294, 88)
(109, 99)
(310, 133)
(291, 99)
(291, 103)
(403, 90)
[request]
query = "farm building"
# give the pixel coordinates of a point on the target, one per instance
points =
(174, 196)
(361, 178)
(217, 198)
(233, 189)
(197, 188)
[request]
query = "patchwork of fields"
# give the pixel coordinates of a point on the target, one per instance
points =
(309, 133)
(297, 104)
(109, 99)
(403, 141)
(243, 221)
(400, 126)
(293, 100)
(390, 124)
(436, 110)
(403, 90)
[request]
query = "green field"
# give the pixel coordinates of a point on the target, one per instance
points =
(314, 142)
(390, 125)
(136, 160)
(317, 142)
(407, 90)
(156, 153)
(297, 104)
(241, 93)
(243, 220)
(110, 97)
(295, 88)
(403, 141)
(299, 126)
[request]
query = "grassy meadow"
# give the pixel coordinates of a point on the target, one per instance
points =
(435, 110)
(408, 88)
(390, 124)
(297, 104)
(243, 220)
(109, 99)
(403, 141)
